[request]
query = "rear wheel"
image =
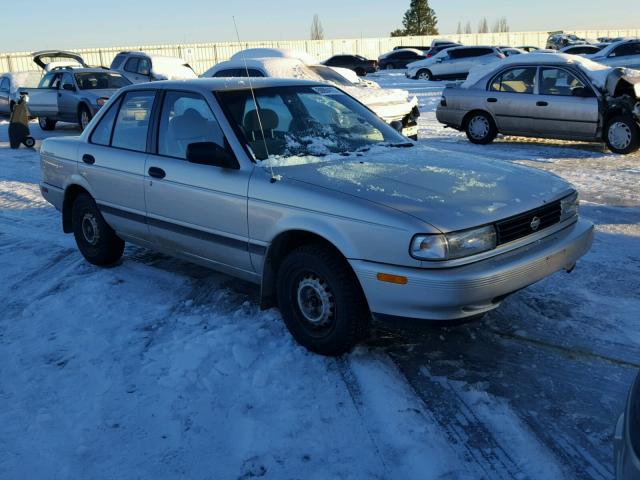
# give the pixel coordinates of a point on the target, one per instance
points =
(84, 117)
(480, 128)
(46, 124)
(424, 74)
(96, 240)
(622, 134)
(321, 301)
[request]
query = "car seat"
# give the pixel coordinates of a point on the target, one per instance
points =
(270, 121)
(190, 127)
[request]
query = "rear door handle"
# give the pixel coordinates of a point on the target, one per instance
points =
(86, 158)
(492, 100)
(156, 172)
(542, 104)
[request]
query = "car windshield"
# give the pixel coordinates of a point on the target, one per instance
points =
(100, 80)
(329, 74)
(301, 121)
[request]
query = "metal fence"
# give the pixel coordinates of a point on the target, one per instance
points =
(202, 56)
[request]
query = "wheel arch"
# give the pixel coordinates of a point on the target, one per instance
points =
(470, 113)
(424, 69)
(70, 194)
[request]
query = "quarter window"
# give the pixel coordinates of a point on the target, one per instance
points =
(132, 124)
(102, 133)
(4, 85)
(626, 50)
(515, 80)
(186, 118)
(555, 81)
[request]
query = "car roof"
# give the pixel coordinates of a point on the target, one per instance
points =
(223, 84)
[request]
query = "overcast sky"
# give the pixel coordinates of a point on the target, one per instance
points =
(49, 24)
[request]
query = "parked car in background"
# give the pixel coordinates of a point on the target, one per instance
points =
(399, 59)
(139, 67)
(580, 49)
(558, 40)
(305, 177)
(404, 47)
(625, 53)
(265, 52)
(74, 95)
(626, 458)
(511, 51)
(357, 63)
(552, 96)
(453, 63)
(392, 105)
(528, 48)
(47, 60)
(11, 83)
(439, 48)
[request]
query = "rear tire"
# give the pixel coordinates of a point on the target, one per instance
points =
(480, 128)
(29, 142)
(321, 301)
(622, 134)
(424, 74)
(96, 240)
(84, 117)
(46, 124)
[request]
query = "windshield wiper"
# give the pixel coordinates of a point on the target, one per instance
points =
(401, 145)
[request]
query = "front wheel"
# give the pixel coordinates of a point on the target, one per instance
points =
(321, 301)
(46, 124)
(96, 240)
(84, 117)
(424, 75)
(622, 134)
(480, 128)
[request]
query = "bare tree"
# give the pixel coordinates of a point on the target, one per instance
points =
(459, 29)
(483, 27)
(317, 32)
(501, 25)
(467, 28)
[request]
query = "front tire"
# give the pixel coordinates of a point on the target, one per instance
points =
(622, 134)
(480, 128)
(321, 301)
(96, 240)
(424, 74)
(84, 117)
(46, 124)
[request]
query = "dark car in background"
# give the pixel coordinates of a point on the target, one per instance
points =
(440, 47)
(357, 63)
(400, 58)
(559, 40)
(403, 47)
(627, 438)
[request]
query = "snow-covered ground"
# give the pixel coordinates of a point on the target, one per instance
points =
(161, 369)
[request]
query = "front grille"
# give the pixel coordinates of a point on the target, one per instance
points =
(520, 226)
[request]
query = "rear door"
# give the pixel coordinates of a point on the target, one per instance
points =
(43, 101)
(565, 107)
(511, 100)
(113, 162)
(197, 210)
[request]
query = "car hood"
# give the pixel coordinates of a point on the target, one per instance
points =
(449, 191)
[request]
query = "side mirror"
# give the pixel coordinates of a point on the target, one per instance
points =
(209, 153)
(69, 87)
(396, 125)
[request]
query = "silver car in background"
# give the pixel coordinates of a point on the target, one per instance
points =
(140, 67)
(453, 63)
(623, 53)
(10, 85)
(299, 188)
(627, 438)
(550, 96)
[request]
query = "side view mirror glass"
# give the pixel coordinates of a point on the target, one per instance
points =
(209, 153)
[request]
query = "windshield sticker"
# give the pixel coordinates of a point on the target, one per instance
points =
(327, 91)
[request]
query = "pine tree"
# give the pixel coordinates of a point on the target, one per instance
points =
(467, 28)
(483, 27)
(501, 25)
(317, 32)
(420, 19)
(459, 29)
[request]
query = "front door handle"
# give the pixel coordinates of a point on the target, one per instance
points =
(156, 172)
(86, 158)
(492, 100)
(542, 104)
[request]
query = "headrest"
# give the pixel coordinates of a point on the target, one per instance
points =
(269, 119)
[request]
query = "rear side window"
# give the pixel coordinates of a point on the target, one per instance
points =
(238, 72)
(516, 80)
(186, 118)
(132, 124)
(102, 133)
(626, 50)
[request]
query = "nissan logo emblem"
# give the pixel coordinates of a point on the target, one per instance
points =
(535, 223)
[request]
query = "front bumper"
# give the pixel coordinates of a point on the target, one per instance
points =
(466, 291)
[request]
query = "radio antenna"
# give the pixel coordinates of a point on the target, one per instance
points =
(255, 101)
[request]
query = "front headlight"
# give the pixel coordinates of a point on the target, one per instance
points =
(569, 207)
(453, 245)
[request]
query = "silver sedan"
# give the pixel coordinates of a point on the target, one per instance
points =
(299, 188)
(549, 96)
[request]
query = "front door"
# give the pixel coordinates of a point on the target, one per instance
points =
(197, 210)
(68, 99)
(113, 163)
(565, 106)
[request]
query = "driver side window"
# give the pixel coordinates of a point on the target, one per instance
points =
(556, 81)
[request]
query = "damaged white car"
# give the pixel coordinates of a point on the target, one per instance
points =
(395, 106)
(551, 96)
